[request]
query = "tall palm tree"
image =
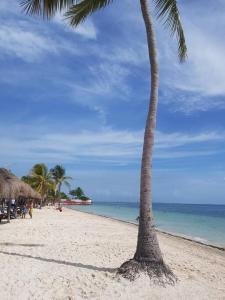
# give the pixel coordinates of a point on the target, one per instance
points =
(148, 256)
(60, 178)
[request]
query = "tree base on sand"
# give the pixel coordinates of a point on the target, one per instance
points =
(158, 272)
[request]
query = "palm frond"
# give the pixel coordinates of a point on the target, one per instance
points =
(67, 184)
(46, 8)
(58, 172)
(78, 12)
(169, 12)
(68, 177)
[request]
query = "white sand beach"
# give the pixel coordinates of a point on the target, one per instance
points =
(73, 255)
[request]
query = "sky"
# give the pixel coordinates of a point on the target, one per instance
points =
(79, 98)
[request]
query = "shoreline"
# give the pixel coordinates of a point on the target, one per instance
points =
(172, 234)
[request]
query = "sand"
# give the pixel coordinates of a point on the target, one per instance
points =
(73, 255)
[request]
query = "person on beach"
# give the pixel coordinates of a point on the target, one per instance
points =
(24, 212)
(13, 203)
(30, 211)
(60, 207)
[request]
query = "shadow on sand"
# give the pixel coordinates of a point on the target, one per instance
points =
(61, 262)
(4, 222)
(22, 245)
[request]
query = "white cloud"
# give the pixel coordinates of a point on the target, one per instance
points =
(132, 53)
(183, 154)
(108, 78)
(102, 145)
(196, 85)
(105, 146)
(87, 30)
(177, 139)
(27, 45)
(105, 81)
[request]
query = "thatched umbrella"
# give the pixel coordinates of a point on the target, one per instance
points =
(12, 187)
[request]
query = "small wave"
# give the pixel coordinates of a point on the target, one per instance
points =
(198, 239)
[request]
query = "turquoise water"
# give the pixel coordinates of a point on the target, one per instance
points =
(204, 223)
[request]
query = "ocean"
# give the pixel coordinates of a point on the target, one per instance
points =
(201, 222)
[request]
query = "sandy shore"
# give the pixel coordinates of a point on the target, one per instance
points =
(72, 255)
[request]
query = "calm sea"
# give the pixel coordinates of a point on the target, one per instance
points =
(205, 223)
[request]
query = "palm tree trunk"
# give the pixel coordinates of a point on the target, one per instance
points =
(148, 257)
(59, 189)
(41, 202)
(147, 245)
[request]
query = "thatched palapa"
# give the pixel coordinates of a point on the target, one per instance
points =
(12, 187)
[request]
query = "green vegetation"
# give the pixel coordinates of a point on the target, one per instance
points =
(48, 183)
(78, 193)
(40, 179)
(63, 195)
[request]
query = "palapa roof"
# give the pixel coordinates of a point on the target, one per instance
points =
(12, 187)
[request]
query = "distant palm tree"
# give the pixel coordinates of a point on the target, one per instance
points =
(78, 192)
(148, 256)
(60, 178)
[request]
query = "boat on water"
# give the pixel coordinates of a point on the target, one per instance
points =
(76, 202)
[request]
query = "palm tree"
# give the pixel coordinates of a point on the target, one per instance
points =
(148, 256)
(40, 179)
(78, 192)
(60, 178)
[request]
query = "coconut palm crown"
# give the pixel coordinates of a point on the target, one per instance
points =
(40, 179)
(148, 257)
(60, 178)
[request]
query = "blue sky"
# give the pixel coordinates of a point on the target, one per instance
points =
(79, 98)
